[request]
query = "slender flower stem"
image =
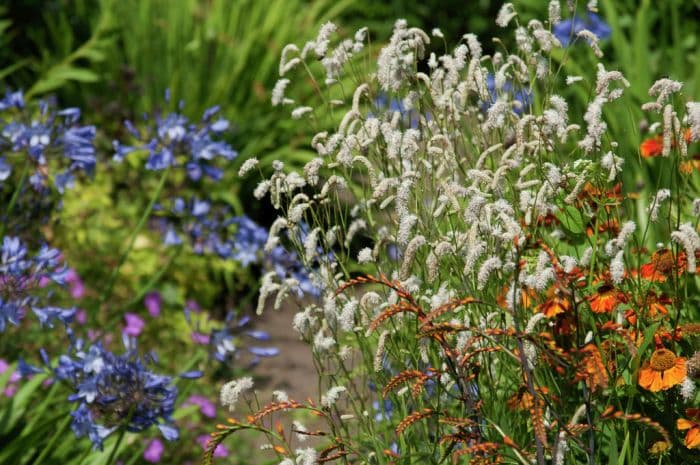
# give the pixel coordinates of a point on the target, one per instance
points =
(113, 453)
(84, 456)
(15, 196)
(50, 446)
(146, 213)
(527, 370)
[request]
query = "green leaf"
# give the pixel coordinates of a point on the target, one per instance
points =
(59, 76)
(572, 220)
(19, 403)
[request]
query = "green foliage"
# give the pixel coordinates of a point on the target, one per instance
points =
(212, 53)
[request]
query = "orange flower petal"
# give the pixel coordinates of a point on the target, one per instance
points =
(692, 439)
(683, 424)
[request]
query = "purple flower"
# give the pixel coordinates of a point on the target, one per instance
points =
(264, 351)
(11, 386)
(206, 407)
(566, 31)
(193, 306)
(23, 280)
(48, 315)
(116, 390)
(199, 338)
(50, 134)
(173, 135)
(134, 324)
(77, 288)
(153, 302)
(84, 425)
(259, 335)
(220, 451)
(154, 451)
(81, 316)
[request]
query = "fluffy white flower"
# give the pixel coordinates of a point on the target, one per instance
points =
(232, 390)
(247, 166)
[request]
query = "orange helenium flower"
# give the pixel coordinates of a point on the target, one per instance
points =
(657, 303)
(663, 371)
(662, 264)
(606, 299)
(692, 437)
(555, 306)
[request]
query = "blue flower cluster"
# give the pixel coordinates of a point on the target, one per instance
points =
(286, 264)
(21, 278)
(114, 391)
(175, 141)
(52, 135)
(409, 118)
(222, 341)
(566, 31)
(211, 228)
(523, 95)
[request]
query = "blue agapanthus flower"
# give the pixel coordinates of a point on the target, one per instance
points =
(24, 281)
(522, 95)
(409, 118)
(113, 391)
(172, 140)
(286, 264)
(566, 31)
(211, 228)
(249, 240)
(53, 141)
(232, 338)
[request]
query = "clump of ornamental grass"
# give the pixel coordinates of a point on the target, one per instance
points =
(490, 290)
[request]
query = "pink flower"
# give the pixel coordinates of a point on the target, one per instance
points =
(77, 288)
(154, 451)
(207, 407)
(81, 316)
(220, 451)
(199, 338)
(193, 306)
(153, 302)
(134, 324)
(11, 387)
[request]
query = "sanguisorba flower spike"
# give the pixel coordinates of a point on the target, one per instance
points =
(472, 175)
